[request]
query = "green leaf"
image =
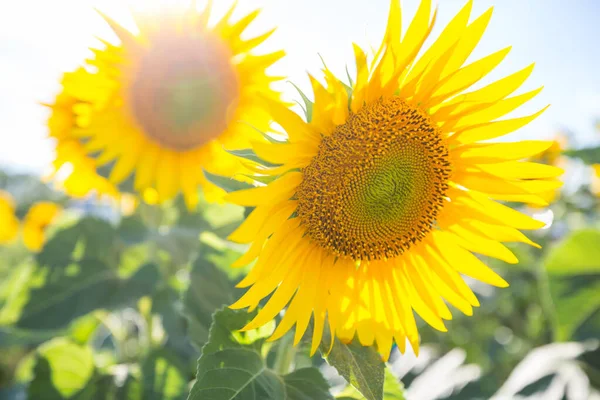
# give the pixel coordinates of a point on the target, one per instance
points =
(163, 377)
(228, 369)
(132, 230)
(210, 289)
(361, 366)
(589, 155)
(227, 184)
(350, 80)
(89, 238)
(10, 337)
(111, 387)
(306, 384)
(232, 367)
(42, 387)
(167, 305)
(249, 154)
(578, 253)
(575, 298)
(62, 369)
(574, 277)
(392, 390)
(66, 296)
(308, 105)
(130, 390)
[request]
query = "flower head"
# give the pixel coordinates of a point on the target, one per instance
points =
(159, 108)
(383, 194)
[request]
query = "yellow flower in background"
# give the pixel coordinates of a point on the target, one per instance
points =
(39, 216)
(596, 180)
(9, 223)
(164, 104)
(380, 200)
(70, 151)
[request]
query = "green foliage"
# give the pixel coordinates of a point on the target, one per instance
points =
(209, 290)
(64, 297)
(574, 278)
(589, 155)
(308, 105)
(392, 390)
(62, 369)
(164, 377)
(227, 184)
(578, 253)
(233, 366)
(250, 155)
(88, 239)
(360, 366)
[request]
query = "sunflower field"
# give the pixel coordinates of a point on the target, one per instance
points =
(385, 233)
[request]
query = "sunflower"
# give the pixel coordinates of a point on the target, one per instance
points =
(39, 216)
(377, 201)
(9, 223)
(161, 107)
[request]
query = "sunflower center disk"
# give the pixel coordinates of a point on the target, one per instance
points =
(377, 183)
(183, 91)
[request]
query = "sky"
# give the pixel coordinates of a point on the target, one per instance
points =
(40, 39)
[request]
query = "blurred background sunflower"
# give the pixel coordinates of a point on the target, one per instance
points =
(163, 105)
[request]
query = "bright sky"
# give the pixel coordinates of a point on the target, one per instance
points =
(39, 39)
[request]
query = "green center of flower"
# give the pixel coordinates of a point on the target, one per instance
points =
(377, 183)
(184, 91)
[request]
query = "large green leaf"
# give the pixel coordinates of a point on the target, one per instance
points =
(90, 238)
(209, 290)
(306, 384)
(361, 366)
(163, 377)
(574, 277)
(167, 305)
(69, 295)
(575, 298)
(590, 155)
(132, 230)
(62, 370)
(232, 367)
(576, 254)
(392, 390)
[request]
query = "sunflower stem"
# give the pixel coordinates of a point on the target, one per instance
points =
(286, 352)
